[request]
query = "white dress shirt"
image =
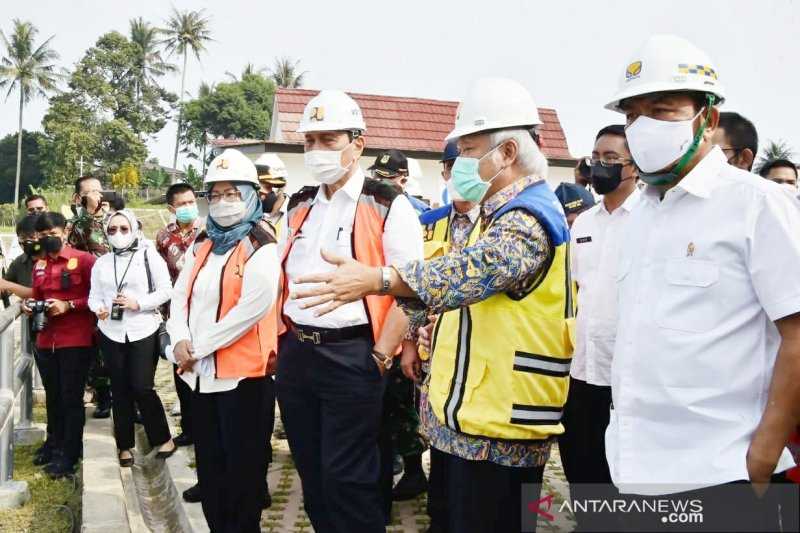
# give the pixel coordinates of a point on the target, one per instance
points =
(594, 248)
(259, 292)
(703, 276)
(330, 225)
(135, 325)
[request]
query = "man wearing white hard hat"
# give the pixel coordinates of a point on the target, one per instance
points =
(706, 371)
(272, 176)
(223, 328)
(500, 350)
(330, 370)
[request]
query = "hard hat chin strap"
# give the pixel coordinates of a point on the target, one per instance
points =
(665, 178)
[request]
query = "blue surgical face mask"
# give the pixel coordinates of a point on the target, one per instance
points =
(467, 180)
(186, 213)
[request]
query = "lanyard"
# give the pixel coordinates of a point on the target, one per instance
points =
(121, 282)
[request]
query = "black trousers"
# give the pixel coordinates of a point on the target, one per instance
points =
(185, 396)
(330, 398)
(437, 491)
(583, 443)
(65, 381)
(229, 446)
(43, 365)
(485, 497)
(132, 370)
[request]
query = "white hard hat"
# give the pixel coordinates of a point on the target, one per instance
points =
(667, 63)
(331, 111)
(495, 103)
(231, 165)
(277, 168)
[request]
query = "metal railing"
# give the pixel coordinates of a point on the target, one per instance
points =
(16, 396)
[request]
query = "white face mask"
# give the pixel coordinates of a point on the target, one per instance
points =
(120, 241)
(326, 165)
(656, 144)
(452, 193)
(227, 214)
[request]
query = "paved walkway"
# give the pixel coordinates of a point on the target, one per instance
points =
(287, 515)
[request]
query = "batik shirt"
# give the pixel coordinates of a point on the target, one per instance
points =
(508, 256)
(172, 243)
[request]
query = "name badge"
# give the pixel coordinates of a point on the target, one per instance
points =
(581, 240)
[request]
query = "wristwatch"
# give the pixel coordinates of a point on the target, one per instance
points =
(382, 359)
(386, 279)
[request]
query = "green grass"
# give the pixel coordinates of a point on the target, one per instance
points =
(53, 504)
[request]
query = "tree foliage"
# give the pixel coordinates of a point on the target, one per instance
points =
(285, 73)
(31, 165)
(237, 109)
(127, 177)
(106, 115)
(779, 149)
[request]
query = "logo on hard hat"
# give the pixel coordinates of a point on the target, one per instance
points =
(633, 70)
(222, 163)
(318, 113)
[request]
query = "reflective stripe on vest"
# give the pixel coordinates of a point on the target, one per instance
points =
(500, 367)
(253, 354)
(367, 246)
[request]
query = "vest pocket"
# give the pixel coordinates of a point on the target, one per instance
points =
(539, 389)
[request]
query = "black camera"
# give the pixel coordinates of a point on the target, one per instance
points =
(116, 312)
(38, 314)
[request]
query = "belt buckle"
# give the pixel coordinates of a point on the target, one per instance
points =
(314, 337)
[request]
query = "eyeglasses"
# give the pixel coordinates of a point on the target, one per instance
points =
(610, 161)
(231, 195)
(111, 230)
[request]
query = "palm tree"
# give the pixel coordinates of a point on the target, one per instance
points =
(248, 70)
(186, 31)
(149, 63)
(29, 69)
(284, 73)
(779, 149)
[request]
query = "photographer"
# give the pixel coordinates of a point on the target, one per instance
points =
(128, 286)
(66, 338)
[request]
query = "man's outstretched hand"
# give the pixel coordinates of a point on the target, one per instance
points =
(351, 281)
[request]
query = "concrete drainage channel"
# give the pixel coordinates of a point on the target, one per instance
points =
(146, 497)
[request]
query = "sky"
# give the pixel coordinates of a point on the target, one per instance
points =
(569, 54)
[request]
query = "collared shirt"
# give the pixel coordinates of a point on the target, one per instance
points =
(172, 243)
(461, 225)
(511, 253)
(594, 249)
(330, 225)
(86, 233)
(703, 275)
(20, 270)
(67, 278)
(130, 271)
(200, 324)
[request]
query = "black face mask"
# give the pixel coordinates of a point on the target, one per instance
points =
(606, 179)
(268, 202)
(31, 248)
(51, 244)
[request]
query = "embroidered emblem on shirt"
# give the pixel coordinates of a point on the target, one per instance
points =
(40, 264)
(690, 250)
(72, 264)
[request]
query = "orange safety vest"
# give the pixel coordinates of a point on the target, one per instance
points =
(254, 353)
(367, 241)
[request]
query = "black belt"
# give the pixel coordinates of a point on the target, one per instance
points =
(328, 335)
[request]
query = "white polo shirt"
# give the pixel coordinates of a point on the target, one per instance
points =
(703, 274)
(594, 248)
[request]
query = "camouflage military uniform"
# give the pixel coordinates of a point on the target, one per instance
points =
(401, 415)
(86, 232)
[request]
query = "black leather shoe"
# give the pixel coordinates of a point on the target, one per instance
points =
(166, 454)
(192, 494)
(59, 469)
(103, 410)
(267, 499)
(183, 440)
(43, 455)
(409, 487)
(126, 462)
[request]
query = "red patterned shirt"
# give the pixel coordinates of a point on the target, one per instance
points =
(172, 243)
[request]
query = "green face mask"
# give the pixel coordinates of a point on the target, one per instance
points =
(665, 178)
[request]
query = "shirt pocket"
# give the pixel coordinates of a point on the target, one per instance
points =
(688, 301)
(344, 242)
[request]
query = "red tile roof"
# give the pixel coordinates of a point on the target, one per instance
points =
(410, 124)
